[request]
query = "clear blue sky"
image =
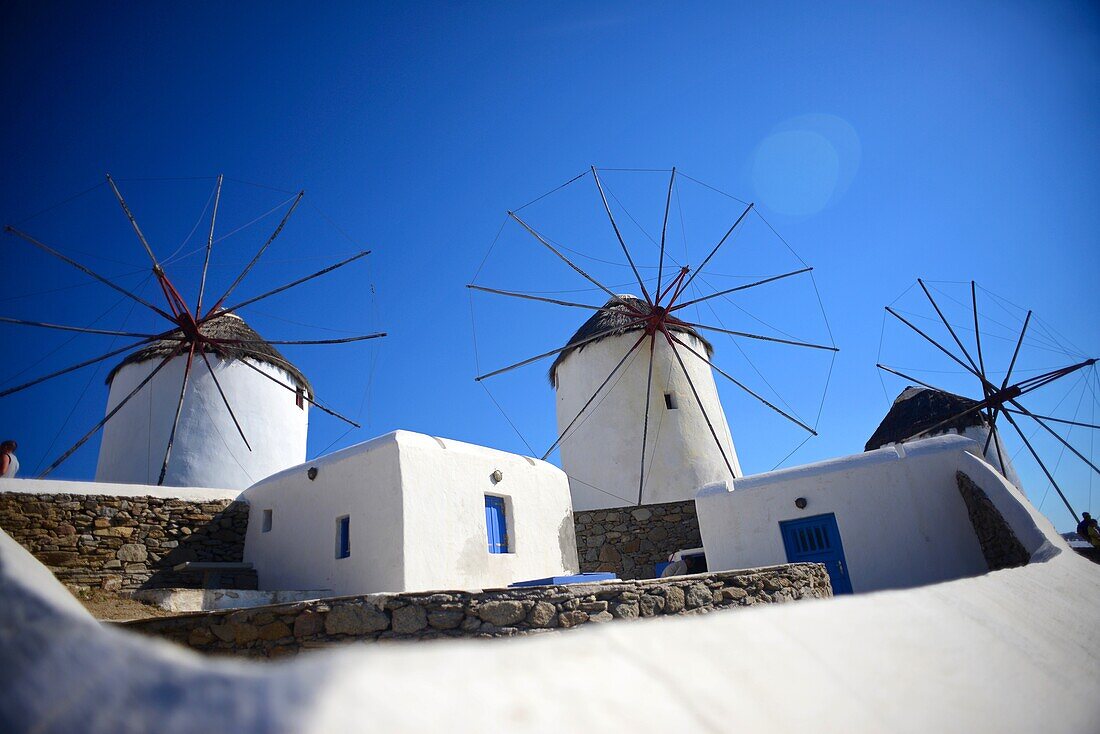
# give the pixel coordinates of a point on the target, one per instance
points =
(884, 141)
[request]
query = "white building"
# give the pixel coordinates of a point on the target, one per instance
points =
(917, 409)
(889, 518)
(208, 450)
(409, 512)
(602, 452)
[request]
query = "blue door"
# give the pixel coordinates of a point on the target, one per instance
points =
(496, 526)
(817, 540)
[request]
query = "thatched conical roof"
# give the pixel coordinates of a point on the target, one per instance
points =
(229, 327)
(617, 315)
(917, 409)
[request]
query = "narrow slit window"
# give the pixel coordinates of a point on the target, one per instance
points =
(300, 398)
(267, 521)
(343, 537)
(670, 401)
(496, 524)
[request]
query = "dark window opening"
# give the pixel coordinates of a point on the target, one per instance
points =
(300, 398)
(267, 521)
(670, 401)
(343, 537)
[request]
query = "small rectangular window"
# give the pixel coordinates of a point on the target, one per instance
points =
(496, 524)
(267, 521)
(343, 537)
(670, 401)
(300, 398)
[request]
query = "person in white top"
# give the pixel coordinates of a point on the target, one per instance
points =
(9, 465)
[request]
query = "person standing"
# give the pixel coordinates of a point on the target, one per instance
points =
(9, 465)
(1089, 530)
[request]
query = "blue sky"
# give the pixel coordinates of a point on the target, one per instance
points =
(883, 141)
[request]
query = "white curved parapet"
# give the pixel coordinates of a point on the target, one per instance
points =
(1009, 651)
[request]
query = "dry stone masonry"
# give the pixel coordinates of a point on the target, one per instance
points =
(123, 543)
(1000, 546)
(288, 629)
(630, 541)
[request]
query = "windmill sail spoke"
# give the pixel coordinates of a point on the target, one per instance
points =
(85, 363)
(555, 301)
(978, 336)
(87, 271)
(562, 257)
(259, 253)
(698, 400)
(619, 236)
(996, 444)
(133, 223)
(114, 411)
(726, 292)
(565, 431)
(685, 284)
(179, 410)
(225, 400)
(904, 376)
(645, 416)
(664, 230)
(1056, 435)
(1050, 477)
(748, 335)
(1052, 419)
(79, 329)
(938, 346)
(537, 357)
(307, 397)
(282, 288)
(209, 247)
(943, 319)
(1016, 351)
(741, 385)
(300, 342)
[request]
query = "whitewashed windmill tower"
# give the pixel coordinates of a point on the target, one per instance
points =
(239, 418)
(602, 455)
(207, 450)
(639, 420)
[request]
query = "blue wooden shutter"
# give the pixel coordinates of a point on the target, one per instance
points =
(496, 526)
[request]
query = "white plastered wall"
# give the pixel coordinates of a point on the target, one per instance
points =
(416, 508)
(602, 453)
(901, 518)
(207, 451)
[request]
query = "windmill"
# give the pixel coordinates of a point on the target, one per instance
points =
(203, 329)
(1004, 399)
(639, 418)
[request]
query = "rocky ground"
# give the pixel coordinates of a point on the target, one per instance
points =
(114, 606)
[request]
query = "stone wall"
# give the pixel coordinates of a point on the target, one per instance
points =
(127, 542)
(291, 628)
(1000, 546)
(629, 541)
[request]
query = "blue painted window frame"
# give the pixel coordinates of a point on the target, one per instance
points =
(343, 537)
(496, 524)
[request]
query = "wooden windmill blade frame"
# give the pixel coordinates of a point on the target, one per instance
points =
(186, 324)
(653, 315)
(996, 399)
